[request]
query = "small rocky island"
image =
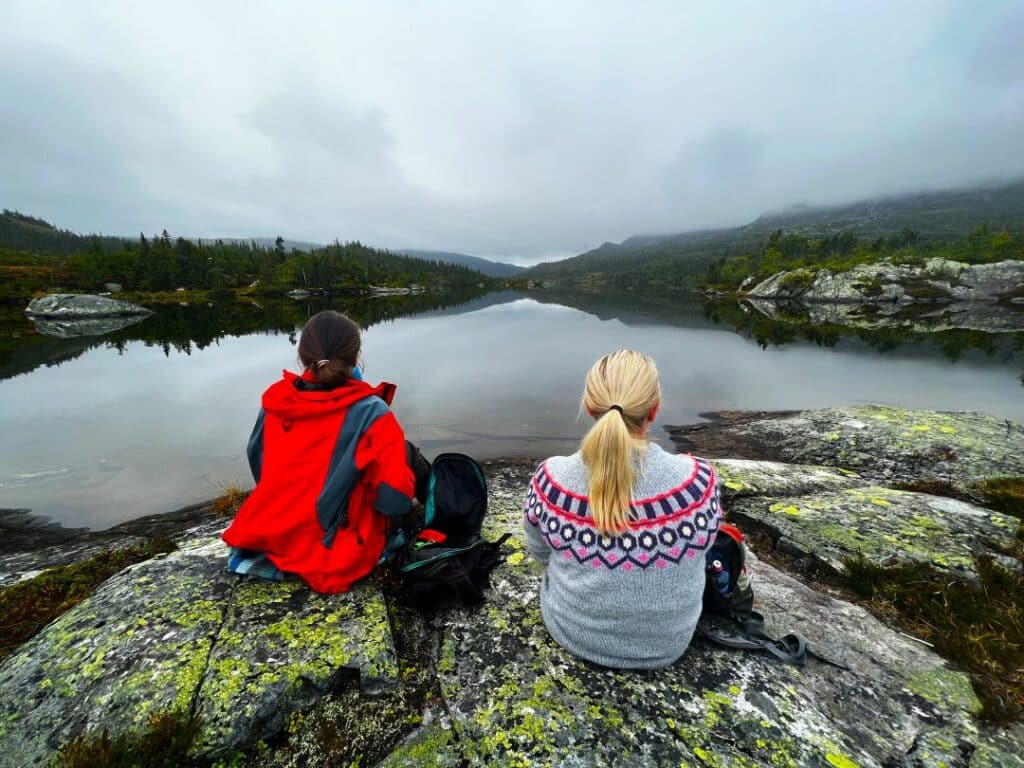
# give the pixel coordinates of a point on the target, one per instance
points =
(271, 674)
(69, 315)
(939, 294)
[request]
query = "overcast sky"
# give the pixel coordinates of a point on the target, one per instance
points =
(518, 131)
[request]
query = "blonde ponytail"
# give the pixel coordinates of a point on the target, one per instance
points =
(621, 390)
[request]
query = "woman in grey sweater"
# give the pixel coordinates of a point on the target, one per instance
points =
(622, 528)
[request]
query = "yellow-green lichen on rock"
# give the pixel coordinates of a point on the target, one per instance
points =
(179, 633)
(881, 443)
(513, 697)
(883, 526)
(271, 668)
(739, 478)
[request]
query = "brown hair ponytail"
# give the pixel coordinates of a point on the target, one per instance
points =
(621, 390)
(329, 346)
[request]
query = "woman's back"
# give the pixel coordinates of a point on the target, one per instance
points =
(329, 460)
(631, 598)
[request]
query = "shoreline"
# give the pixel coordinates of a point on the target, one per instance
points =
(23, 534)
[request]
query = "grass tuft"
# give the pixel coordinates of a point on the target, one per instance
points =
(28, 606)
(229, 501)
(163, 744)
(933, 487)
(978, 628)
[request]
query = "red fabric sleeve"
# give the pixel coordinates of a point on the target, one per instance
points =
(381, 457)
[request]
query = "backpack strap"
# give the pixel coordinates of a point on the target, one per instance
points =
(747, 633)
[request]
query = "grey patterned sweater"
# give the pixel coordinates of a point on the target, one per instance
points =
(631, 600)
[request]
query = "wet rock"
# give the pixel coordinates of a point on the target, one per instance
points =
(512, 697)
(67, 306)
(30, 544)
(178, 633)
(882, 444)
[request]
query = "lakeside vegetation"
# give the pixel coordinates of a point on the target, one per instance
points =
(37, 257)
(790, 251)
(782, 251)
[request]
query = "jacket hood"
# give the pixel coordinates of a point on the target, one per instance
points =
(299, 397)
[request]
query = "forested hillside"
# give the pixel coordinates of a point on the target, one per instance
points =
(36, 256)
(21, 232)
(792, 251)
(489, 268)
(684, 259)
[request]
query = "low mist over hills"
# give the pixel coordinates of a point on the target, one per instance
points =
(943, 215)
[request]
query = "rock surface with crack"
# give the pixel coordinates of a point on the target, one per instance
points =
(178, 633)
(488, 686)
(512, 697)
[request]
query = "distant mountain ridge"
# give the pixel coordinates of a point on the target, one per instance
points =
(942, 215)
(488, 267)
(23, 232)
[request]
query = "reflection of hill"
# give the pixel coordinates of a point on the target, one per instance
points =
(632, 308)
(688, 310)
(184, 328)
(480, 302)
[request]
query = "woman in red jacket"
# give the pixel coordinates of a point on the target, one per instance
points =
(329, 459)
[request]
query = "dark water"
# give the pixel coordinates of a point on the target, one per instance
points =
(97, 430)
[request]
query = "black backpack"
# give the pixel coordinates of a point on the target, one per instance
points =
(728, 617)
(445, 556)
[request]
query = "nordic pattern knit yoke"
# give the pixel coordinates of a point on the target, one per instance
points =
(629, 600)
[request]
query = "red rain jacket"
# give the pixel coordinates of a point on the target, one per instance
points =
(330, 468)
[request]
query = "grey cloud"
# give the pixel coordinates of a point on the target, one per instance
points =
(518, 132)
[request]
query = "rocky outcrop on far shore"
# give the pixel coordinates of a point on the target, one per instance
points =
(937, 295)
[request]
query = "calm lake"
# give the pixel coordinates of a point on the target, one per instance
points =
(97, 430)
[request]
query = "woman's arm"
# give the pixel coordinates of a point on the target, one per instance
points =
(381, 455)
(254, 450)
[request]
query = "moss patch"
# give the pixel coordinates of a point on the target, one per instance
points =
(164, 743)
(28, 606)
(797, 281)
(979, 628)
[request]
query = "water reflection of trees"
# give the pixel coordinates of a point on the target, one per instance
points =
(182, 329)
(950, 344)
(685, 309)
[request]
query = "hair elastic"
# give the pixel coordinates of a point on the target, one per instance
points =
(616, 408)
(321, 363)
